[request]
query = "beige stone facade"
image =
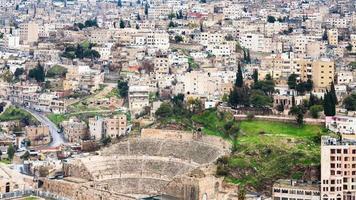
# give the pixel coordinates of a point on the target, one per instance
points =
(338, 169)
(159, 162)
(38, 135)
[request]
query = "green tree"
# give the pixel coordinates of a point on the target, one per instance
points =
(122, 24)
(333, 93)
(298, 112)
(146, 9)
(259, 99)
(165, 110)
(255, 75)
(178, 38)
(350, 102)
(239, 77)
(123, 88)
(267, 86)
(171, 16)
(292, 81)
(239, 96)
(138, 17)
(301, 88)
(349, 47)
(248, 56)
(314, 100)
(19, 72)
(315, 110)
(271, 19)
(37, 73)
(329, 105)
(180, 14)
(56, 71)
(293, 101)
(119, 3)
(309, 85)
(171, 24)
(10, 152)
(325, 35)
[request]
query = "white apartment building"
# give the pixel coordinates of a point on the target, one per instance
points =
(159, 12)
(138, 98)
(256, 42)
(333, 37)
(233, 11)
(344, 77)
(338, 169)
(11, 41)
(107, 127)
(159, 40)
(341, 124)
(295, 190)
(29, 32)
(206, 38)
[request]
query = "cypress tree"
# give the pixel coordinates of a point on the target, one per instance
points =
(333, 93)
(248, 56)
(255, 75)
(329, 105)
(239, 79)
(293, 101)
(119, 3)
(146, 9)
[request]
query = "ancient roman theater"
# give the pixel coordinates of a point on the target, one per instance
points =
(165, 163)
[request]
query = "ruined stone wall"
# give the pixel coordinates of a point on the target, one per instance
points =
(80, 191)
(184, 135)
(60, 187)
(76, 169)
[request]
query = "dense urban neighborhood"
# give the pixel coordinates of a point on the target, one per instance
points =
(178, 99)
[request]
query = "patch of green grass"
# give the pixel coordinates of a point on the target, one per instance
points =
(212, 123)
(279, 129)
(14, 113)
(113, 93)
(265, 151)
(57, 118)
(5, 161)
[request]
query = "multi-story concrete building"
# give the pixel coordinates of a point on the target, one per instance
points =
(333, 37)
(138, 98)
(74, 130)
(116, 126)
(321, 72)
(295, 190)
(29, 32)
(338, 169)
(107, 127)
(341, 124)
(161, 64)
(38, 135)
(256, 42)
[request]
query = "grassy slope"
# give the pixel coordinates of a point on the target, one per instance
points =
(266, 151)
(13, 113)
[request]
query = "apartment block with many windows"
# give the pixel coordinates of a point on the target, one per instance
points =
(338, 169)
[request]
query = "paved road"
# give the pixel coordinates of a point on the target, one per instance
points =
(57, 139)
